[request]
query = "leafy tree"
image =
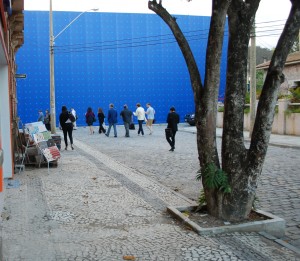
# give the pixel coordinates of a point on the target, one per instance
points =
(263, 54)
(241, 166)
(259, 80)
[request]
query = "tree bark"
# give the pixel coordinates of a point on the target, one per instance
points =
(206, 107)
(268, 99)
(242, 166)
(206, 98)
(237, 204)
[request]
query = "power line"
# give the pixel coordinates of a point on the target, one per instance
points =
(154, 40)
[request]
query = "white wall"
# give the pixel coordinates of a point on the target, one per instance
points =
(283, 124)
(5, 122)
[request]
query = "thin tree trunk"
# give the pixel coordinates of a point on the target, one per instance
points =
(237, 204)
(268, 99)
(206, 108)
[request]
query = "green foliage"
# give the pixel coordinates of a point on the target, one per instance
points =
(199, 175)
(259, 79)
(295, 95)
(263, 54)
(221, 109)
(247, 110)
(285, 96)
(247, 98)
(215, 178)
(292, 109)
(202, 199)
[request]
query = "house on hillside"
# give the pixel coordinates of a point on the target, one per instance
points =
(291, 71)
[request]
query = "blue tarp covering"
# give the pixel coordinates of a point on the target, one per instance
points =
(107, 58)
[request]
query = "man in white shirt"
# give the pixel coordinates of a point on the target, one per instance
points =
(140, 114)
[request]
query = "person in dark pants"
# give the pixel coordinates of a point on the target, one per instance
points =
(126, 115)
(101, 117)
(140, 114)
(66, 120)
(47, 120)
(112, 117)
(172, 128)
(90, 119)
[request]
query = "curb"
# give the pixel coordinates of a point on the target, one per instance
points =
(272, 225)
(280, 242)
(272, 143)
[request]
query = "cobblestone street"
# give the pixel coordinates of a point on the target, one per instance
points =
(108, 198)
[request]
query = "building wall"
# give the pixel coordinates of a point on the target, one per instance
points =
(292, 73)
(11, 38)
(283, 123)
(5, 121)
(107, 58)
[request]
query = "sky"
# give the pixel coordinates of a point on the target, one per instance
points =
(270, 17)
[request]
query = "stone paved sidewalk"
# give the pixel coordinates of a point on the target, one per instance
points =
(107, 199)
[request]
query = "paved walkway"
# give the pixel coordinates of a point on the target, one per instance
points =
(108, 197)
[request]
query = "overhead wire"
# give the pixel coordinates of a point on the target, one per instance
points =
(153, 40)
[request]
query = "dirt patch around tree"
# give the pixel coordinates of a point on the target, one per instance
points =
(203, 219)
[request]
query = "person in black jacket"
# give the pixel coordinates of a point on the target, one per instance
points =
(126, 115)
(101, 117)
(66, 120)
(172, 128)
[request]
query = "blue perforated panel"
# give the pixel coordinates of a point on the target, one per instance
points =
(107, 58)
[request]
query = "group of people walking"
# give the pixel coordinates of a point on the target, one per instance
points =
(45, 118)
(127, 117)
(68, 120)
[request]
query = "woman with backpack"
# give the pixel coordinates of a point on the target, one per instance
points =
(66, 120)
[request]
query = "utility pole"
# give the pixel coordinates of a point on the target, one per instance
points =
(52, 84)
(252, 79)
(299, 41)
(52, 76)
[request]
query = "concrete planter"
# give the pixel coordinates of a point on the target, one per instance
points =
(272, 225)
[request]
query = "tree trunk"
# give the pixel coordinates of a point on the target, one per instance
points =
(242, 166)
(207, 105)
(237, 204)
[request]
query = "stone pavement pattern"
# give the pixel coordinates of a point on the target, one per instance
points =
(106, 200)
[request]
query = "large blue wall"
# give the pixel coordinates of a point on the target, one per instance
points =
(107, 58)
